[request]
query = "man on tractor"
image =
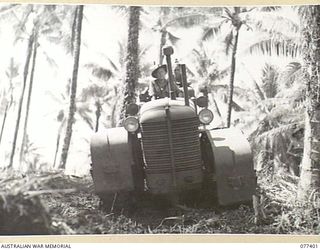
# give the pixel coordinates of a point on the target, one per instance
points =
(159, 88)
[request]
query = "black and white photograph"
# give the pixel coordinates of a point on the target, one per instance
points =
(159, 119)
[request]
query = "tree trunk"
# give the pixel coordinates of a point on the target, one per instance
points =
(4, 121)
(114, 108)
(132, 59)
(98, 114)
(9, 103)
(309, 184)
(58, 142)
(34, 56)
(73, 92)
(25, 76)
(232, 73)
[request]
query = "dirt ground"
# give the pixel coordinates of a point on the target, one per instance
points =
(58, 204)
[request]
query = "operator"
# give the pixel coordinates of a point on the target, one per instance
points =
(159, 88)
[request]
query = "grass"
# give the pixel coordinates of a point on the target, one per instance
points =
(60, 204)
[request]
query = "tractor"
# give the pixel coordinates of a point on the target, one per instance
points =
(165, 148)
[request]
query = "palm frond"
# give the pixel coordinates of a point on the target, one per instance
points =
(88, 121)
(274, 21)
(50, 60)
(291, 73)
(236, 107)
(20, 26)
(6, 11)
(258, 90)
(186, 21)
(99, 72)
(282, 129)
(84, 112)
(228, 12)
(61, 101)
(94, 90)
(210, 32)
(13, 71)
(270, 8)
(277, 47)
(112, 64)
(144, 50)
(197, 53)
(228, 41)
(270, 74)
(173, 39)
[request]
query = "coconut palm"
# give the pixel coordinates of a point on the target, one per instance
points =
(72, 106)
(25, 75)
(44, 21)
(132, 59)
(236, 18)
(270, 38)
(100, 95)
(7, 96)
(309, 184)
(46, 25)
(83, 113)
(33, 63)
(280, 113)
(172, 17)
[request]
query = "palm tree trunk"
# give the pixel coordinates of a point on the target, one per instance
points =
(4, 121)
(114, 108)
(309, 184)
(9, 103)
(25, 76)
(232, 74)
(24, 136)
(73, 92)
(58, 142)
(132, 59)
(98, 114)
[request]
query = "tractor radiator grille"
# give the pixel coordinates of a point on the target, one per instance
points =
(186, 145)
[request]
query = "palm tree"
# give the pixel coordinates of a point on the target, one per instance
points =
(106, 91)
(25, 75)
(132, 59)
(44, 20)
(309, 184)
(270, 38)
(83, 113)
(236, 18)
(100, 95)
(33, 61)
(8, 95)
(72, 107)
(172, 17)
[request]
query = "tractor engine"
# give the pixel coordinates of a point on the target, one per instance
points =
(171, 146)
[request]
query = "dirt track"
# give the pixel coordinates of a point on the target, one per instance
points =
(54, 203)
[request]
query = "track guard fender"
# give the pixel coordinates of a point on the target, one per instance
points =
(233, 165)
(112, 161)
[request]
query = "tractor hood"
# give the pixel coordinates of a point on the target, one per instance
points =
(154, 111)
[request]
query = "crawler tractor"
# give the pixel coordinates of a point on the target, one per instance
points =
(165, 148)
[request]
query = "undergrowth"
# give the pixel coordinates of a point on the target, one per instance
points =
(53, 203)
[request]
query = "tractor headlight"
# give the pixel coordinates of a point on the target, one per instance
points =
(131, 124)
(205, 116)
